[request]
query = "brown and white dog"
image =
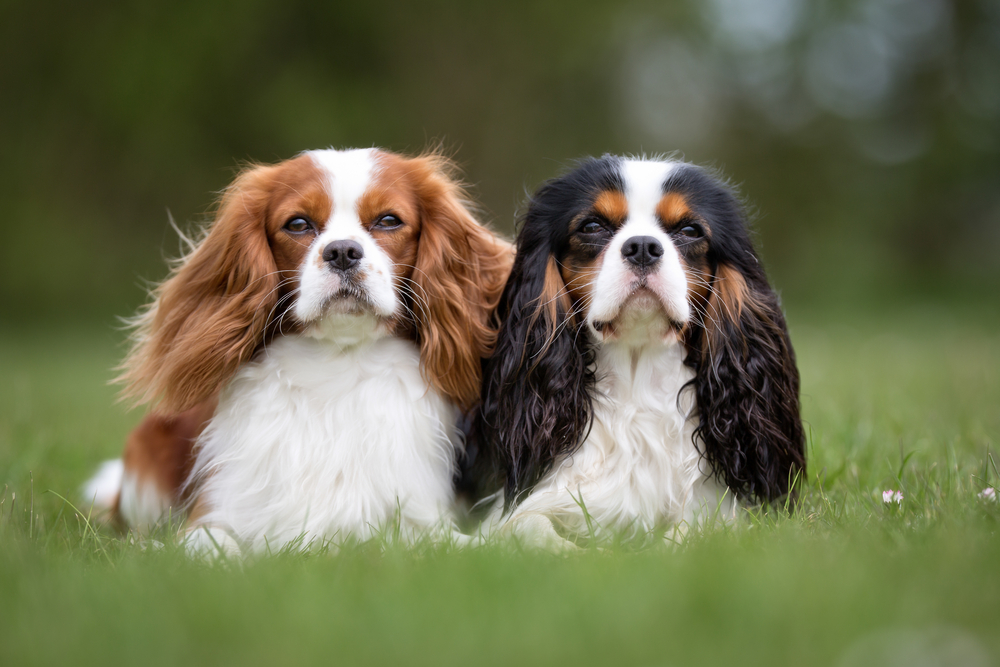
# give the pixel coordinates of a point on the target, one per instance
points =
(338, 308)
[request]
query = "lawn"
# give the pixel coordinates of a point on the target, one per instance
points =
(907, 401)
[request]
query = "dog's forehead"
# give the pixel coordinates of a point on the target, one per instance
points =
(348, 174)
(641, 191)
(645, 184)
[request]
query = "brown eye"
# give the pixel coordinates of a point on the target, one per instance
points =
(298, 226)
(387, 221)
(691, 231)
(591, 226)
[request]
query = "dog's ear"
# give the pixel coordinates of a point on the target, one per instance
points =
(208, 317)
(536, 402)
(459, 274)
(747, 386)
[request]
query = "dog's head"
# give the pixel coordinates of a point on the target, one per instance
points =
(345, 245)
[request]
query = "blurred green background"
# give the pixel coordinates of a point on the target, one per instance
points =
(864, 133)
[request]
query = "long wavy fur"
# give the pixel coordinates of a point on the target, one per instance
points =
(461, 269)
(208, 317)
(747, 387)
(538, 384)
(747, 382)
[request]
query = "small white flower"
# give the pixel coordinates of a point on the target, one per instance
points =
(989, 493)
(890, 496)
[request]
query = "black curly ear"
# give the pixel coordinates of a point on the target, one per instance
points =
(747, 386)
(536, 399)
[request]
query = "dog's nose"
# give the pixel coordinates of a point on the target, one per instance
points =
(343, 255)
(642, 251)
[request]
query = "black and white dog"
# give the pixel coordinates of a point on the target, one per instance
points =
(643, 376)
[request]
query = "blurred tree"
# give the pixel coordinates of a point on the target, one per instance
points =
(864, 132)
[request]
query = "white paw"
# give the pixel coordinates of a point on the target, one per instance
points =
(211, 544)
(536, 531)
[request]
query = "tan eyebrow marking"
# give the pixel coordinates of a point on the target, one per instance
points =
(672, 208)
(612, 206)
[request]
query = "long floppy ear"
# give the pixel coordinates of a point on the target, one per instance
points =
(460, 271)
(536, 402)
(747, 387)
(208, 317)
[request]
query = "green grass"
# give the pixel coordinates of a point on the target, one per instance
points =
(908, 402)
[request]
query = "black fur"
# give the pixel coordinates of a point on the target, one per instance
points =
(538, 383)
(747, 381)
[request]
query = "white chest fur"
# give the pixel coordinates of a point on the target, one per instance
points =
(638, 468)
(314, 442)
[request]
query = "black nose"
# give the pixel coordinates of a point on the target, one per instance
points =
(643, 251)
(343, 255)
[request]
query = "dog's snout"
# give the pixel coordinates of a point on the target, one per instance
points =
(343, 255)
(642, 251)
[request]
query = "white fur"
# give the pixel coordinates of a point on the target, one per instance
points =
(142, 504)
(103, 488)
(639, 468)
(316, 442)
(211, 544)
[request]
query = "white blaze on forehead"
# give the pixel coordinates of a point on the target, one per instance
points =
(644, 181)
(349, 174)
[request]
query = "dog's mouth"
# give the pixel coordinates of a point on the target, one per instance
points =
(642, 299)
(349, 316)
(349, 300)
(642, 312)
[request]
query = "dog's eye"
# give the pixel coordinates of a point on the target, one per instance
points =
(591, 227)
(388, 221)
(298, 225)
(691, 231)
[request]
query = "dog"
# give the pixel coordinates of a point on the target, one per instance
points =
(643, 376)
(310, 357)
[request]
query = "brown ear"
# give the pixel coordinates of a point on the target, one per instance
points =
(460, 273)
(209, 315)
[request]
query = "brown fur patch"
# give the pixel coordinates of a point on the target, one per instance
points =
(554, 297)
(672, 208)
(392, 192)
(730, 295)
(579, 274)
(456, 276)
(554, 292)
(699, 280)
(213, 311)
(299, 190)
(612, 206)
(160, 450)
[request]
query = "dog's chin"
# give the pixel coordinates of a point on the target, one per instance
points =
(349, 303)
(349, 317)
(642, 319)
